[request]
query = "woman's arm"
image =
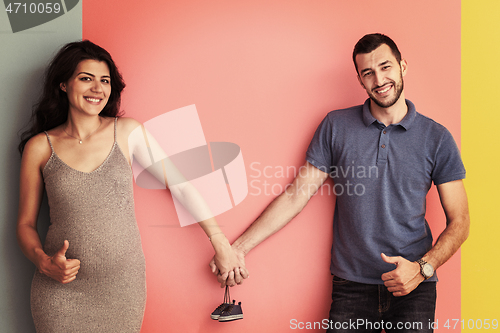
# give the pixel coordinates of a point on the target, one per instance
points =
(141, 146)
(35, 155)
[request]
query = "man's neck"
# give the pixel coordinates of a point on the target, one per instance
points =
(390, 115)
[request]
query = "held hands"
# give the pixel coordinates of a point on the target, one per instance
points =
(58, 267)
(404, 279)
(228, 264)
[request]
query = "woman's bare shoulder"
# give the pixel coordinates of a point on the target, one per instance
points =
(38, 143)
(37, 149)
(127, 124)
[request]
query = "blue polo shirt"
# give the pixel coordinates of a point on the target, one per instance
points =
(381, 178)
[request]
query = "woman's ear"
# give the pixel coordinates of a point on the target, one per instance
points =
(62, 85)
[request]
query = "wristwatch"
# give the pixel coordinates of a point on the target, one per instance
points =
(426, 269)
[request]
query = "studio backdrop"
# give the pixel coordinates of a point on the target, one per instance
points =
(261, 76)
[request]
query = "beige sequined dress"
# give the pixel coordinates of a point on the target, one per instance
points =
(95, 212)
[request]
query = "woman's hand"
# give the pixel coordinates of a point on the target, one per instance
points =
(227, 263)
(59, 267)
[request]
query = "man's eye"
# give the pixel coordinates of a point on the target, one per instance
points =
(367, 74)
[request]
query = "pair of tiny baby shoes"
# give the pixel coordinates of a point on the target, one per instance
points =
(227, 311)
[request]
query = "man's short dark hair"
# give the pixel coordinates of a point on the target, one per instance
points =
(370, 42)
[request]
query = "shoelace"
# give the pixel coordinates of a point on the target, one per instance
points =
(226, 301)
(228, 309)
(222, 306)
(227, 296)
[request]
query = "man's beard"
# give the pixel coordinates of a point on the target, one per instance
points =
(398, 89)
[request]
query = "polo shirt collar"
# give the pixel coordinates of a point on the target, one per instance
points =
(406, 122)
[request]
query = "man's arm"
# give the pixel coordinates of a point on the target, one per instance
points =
(406, 276)
(281, 211)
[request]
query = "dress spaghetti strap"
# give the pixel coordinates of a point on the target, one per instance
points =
(50, 142)
(116, 120)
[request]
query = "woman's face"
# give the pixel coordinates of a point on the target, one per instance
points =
(89, 87)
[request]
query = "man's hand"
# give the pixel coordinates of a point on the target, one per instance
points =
(229, 267)
(404, 279)
(58, 267)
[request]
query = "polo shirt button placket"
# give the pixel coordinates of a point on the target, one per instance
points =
(382, 151)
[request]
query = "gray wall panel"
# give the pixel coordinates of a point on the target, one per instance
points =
(23, 58)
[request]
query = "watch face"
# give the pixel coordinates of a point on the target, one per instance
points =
(428, 270)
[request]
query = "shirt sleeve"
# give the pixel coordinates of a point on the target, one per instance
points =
(448, 162)
(319, 152)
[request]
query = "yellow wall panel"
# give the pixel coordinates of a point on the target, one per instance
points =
(481, 154)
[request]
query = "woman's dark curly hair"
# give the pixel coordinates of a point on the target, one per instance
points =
(52, 108)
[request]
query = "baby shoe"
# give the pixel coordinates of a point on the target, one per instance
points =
(231, 312)
(217, 312)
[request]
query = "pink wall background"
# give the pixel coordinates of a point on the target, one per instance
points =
(262, 75)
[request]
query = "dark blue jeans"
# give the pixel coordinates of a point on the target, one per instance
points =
(358, 307)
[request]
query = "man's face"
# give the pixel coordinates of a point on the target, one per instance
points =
(381, 75)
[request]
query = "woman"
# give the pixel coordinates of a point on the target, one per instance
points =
(91, 269)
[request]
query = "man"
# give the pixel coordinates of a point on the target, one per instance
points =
(388, 155)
